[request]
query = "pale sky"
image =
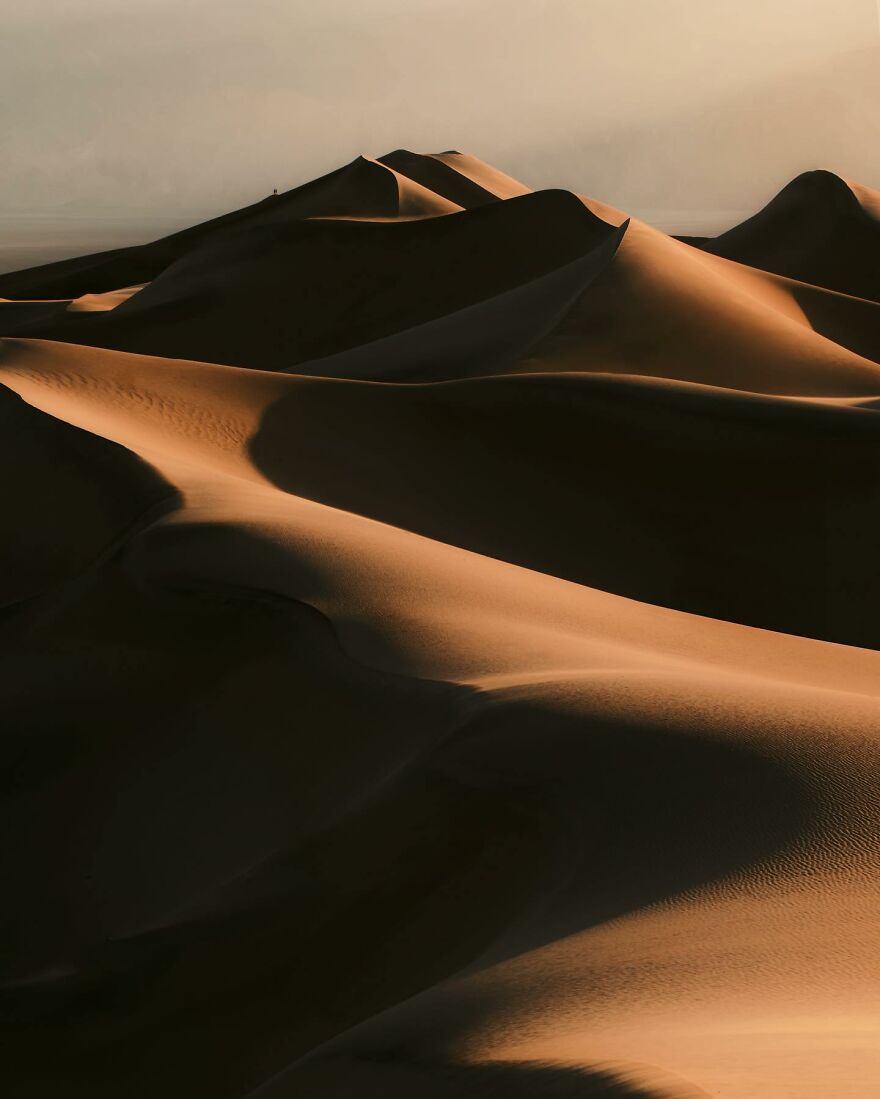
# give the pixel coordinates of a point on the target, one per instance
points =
(171, 106)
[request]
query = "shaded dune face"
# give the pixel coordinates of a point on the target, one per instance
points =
(439, 629)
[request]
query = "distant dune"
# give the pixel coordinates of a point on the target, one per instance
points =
(441, 631)
(819, 229)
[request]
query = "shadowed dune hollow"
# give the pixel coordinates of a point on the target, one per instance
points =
(440, 630)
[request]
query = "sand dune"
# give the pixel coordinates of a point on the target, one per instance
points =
(819, 229)
(272, 294)
(441, 656)
(700, 318)
(362, 189)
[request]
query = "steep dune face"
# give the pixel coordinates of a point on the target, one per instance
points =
(482, 700)
(436, 174)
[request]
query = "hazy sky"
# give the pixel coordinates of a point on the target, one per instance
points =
(180, 105)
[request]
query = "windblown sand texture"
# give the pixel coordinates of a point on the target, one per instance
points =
(440, 628)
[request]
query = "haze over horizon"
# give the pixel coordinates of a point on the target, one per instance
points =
(221, 104)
